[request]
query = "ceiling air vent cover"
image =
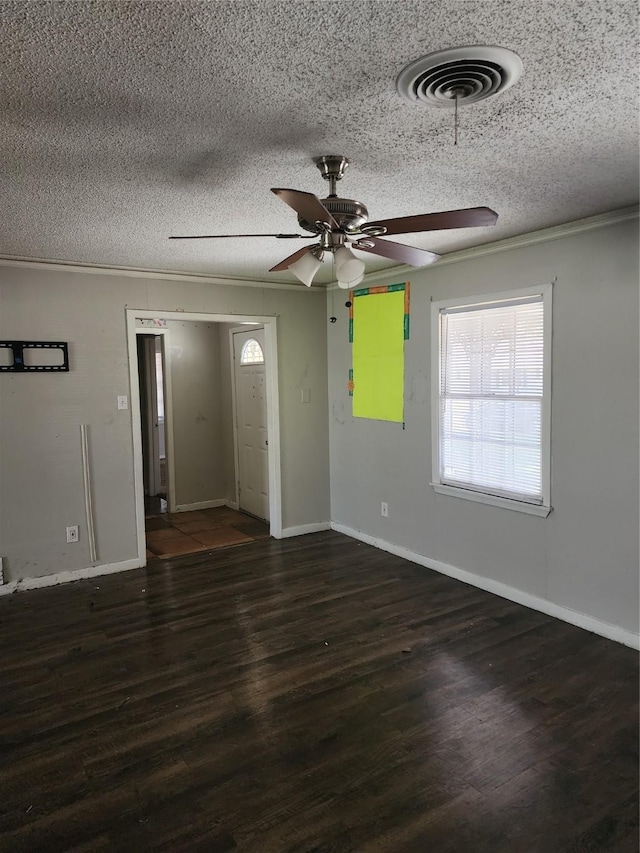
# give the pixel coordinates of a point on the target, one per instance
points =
(465, 74)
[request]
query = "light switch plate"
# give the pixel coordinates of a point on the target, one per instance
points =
(123, 403)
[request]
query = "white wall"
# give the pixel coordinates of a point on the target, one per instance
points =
(584, 556)
(40, 414)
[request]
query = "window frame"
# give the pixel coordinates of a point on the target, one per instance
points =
(473, 301)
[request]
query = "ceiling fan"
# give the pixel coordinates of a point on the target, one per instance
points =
(341, 224)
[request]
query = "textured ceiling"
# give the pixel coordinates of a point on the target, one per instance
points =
(125, 122)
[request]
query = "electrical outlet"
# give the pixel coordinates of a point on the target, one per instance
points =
(72, 533)
(384, 510)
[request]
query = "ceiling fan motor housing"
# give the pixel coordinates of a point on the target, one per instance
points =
(348, 213)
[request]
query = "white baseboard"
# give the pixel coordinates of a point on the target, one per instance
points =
(232, 505)
(201, 505)
(69, 577)
(574, 617)
(301, 529)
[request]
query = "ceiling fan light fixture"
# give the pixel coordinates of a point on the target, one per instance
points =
(349, 269)
(306, 267)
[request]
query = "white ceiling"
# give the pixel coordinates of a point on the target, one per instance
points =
(124, 123)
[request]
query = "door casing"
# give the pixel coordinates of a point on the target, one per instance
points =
(273, 408)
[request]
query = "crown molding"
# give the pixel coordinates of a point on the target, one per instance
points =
(139, 272)
(544, 235)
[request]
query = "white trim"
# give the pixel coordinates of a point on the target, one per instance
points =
(273, 409)
(434, 355)
(273, 427)
(546, 292)
(140, 272)
(197, 316)
(511, 593)
(555, 232)
(69, 576)
(532, 238)
(201, 505)
(513, 295)
(302, 529)
(547, 395)
(213, 504)
(136, 431)
(492, 500)
(543, 235)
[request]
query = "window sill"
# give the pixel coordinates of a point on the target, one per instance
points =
(492, 500)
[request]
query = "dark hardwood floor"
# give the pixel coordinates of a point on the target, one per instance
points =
(312, 694)
(172, 534)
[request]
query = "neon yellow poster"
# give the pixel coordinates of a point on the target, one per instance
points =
(379, 325)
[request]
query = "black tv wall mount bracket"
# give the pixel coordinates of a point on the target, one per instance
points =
(18, 350)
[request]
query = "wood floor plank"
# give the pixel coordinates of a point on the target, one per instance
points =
(310, 694)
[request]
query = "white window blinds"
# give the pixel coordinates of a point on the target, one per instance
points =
(491, 397)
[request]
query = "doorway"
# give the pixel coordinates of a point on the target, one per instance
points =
(152, 414)
(138, 323)
(250, 421)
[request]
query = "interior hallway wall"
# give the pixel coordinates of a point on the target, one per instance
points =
(192, 355)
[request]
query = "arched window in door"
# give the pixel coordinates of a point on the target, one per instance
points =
(251, 353)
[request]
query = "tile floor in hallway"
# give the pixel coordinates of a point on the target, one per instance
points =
(171, 534)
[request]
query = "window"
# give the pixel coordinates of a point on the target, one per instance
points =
(491, 398)
(251, 353)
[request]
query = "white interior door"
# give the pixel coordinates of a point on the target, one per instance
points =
(251, 422)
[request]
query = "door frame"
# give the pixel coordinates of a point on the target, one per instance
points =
(273, 408)
(234, 407)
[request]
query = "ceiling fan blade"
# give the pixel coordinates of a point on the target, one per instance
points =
(470, 217)
(306, 205)
(398, 252)
(217, 236)
(283, 265)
